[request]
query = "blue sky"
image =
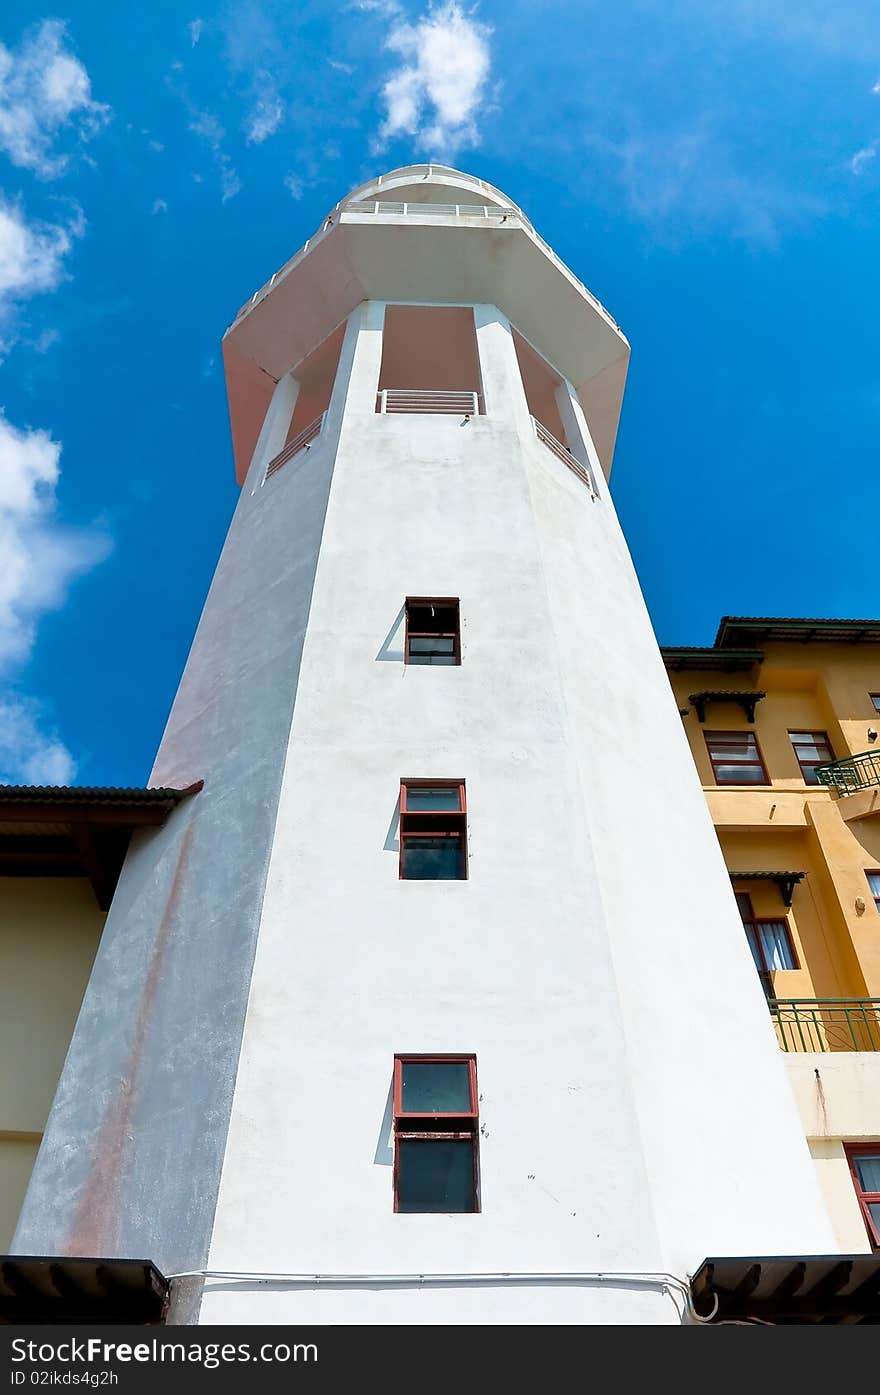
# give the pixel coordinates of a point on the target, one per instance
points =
(710, 168)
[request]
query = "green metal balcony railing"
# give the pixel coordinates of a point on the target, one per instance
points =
(826, 1024)
(860, 772)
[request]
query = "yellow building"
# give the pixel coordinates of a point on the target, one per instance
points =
(782, 716)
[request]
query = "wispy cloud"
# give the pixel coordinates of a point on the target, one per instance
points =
(266, 116)
(293, 186)
(45, 93)
(436, 93)
(195, 31)
(159, 206)
(863, 157)
(208, 128)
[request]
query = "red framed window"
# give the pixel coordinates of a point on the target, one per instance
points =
(864, 1166)
(436, 1134)
(433, 830)
(812, 748)
(769, 940)
(874, 884)
(736, 758)
(433, 631)
(875, 700)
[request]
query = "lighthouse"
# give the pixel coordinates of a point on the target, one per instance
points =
(433, 1005)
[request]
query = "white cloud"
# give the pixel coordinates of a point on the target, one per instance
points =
(293, 186)
(209, 129)
(876, 87)
(29, 755)
(863, 157)
(44, 91)
(32, 254)
(195, 30)
(265, 118)
(39, 555)
(159, 206)
(435, 96)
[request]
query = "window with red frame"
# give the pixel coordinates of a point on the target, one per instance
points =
(433, 830)
(736, 758)
(769, 940)
(433, 631)
(874, 884)
(864, 1165)
(812, 748)
(436, 1134)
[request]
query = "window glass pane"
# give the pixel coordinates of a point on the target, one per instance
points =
(867, 1167)
(776, 944)
(441, 660)
(875, 698)
(739, 774)
(435, 1087)
(435, 1174)
(874, 1209)
(744, 904)
(437, 798)
(874, 883)
(432, 644)
(432, 859)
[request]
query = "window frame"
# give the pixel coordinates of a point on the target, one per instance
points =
(737, 784)
(416, 823)
(869, 873)
(853, 1151)
(875, 701)
(765, 971)
(468, 1122)
(816, 737)
(455, 634)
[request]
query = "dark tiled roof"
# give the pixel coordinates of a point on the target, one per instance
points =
(734, 630)
(92, 794)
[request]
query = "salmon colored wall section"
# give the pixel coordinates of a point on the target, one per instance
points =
(316, 376)
(430, 347)
(540, 383)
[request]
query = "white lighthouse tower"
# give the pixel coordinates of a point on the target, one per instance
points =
(434, 1006)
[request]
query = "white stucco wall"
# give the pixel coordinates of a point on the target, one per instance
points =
(593, 960)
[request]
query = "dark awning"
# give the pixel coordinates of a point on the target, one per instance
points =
(786, 881)
(46, 1289)
(77, 831)
(790, 1289)
(747, 699)
(693, 658)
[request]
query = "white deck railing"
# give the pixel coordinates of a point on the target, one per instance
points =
(301, 441)
(429, 400)
(435, 210)
(562, 453)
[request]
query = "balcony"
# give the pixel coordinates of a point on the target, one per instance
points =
(564, 454)
(419, 400)
(860, 772)
(826, 1024)
(301, 441)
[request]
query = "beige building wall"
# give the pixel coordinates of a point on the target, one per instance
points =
(49, 932)
(837, 1095)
